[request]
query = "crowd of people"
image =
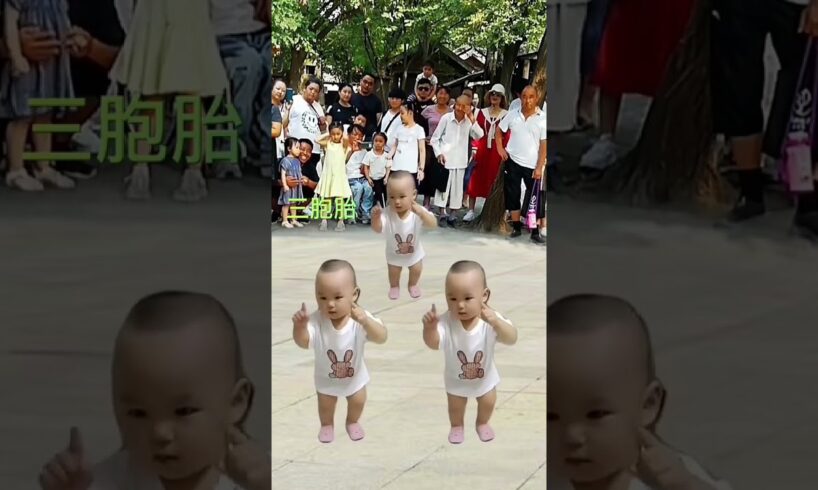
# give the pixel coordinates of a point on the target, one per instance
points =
(616, 60)
(141, 51)
(454, 147)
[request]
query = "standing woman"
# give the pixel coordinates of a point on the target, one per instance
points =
(279, 102)
(306, 118)
(342, 111)
(435, 171)
(487, 159)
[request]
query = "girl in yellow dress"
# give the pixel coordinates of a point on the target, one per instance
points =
(170, 50)
(333, 184)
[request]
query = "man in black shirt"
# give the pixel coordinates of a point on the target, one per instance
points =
(368, 104)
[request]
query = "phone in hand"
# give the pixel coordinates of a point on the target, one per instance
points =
(289, 96)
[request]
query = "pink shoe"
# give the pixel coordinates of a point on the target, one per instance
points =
(456, 435)
(326, 434)
(415, 292)
(394, 293)
(485, 432)
(355, 431)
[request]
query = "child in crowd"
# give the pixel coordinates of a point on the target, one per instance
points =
(401, 222)
(358, 183)
(337, 331)
(180, 397)
(377, 166)
(22, 82)
(408, 147)
(333, 184)
(291, 183)
(605, 401)
(429, 74)
(466, 334)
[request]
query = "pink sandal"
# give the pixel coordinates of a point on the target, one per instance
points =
(394, 293)
(355, 431)
(326, 434)
(415, 292)
(456, 435)
(485, 432)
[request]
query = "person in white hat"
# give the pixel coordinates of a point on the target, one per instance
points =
(487, 159)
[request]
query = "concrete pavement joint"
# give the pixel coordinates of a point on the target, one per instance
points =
(531, 476)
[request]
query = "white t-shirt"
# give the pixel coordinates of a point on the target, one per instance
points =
(406, 157)
(234, 17)
(377, 164)
(557, 483)
(403, 246)
(304, 121)
(387, 121)
(354, 164)
(469, 355)
(118, 472)
(339, 355)
(421, 76)
(524, 144)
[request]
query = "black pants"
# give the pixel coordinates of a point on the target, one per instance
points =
(379, 187)
(513, 175)
(739, 41)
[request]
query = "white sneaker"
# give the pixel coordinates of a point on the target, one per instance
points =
(193, 186)
(139, 183)
(601, 155)
(340, 226)
(52, 177)
(20, 179)
(86, 139)
(297, 224)
(469, 216)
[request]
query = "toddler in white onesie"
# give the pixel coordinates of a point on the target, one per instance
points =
(401, 222)
(337, 333)
(467, 334)
(180, 397)
(604, 401)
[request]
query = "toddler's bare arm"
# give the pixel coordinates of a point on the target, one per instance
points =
(301, 334)
(431, 337)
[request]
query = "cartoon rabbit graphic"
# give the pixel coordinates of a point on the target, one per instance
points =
(341, 369)
(407, 247)
(471, 370)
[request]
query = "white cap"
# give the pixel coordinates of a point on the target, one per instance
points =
(499, 89)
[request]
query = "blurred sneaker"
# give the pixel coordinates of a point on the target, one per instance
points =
(469, 216)
(227, 170)
(601, 155)
(21, 180)
(193, 186)
(138, 183)
(54, 178)
(86, 140)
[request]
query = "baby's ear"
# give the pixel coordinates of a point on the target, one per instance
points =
(356, 295)
(486, 295)
(241, 401)
(653, 403)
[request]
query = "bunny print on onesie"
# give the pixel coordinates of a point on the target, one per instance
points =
(403, 247)
(469, 356)
(339, 356)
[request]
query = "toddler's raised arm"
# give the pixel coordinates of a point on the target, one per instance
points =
(300, 333)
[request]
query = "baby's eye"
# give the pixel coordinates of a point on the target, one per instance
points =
(598, 414)
(185, 411)
(137, 413)
(552, 417)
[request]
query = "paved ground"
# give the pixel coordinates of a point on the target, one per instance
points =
(405, 418)
(72, 264)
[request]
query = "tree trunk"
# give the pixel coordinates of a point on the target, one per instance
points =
(540, 77)
(675, 157)
(510, 52)
(299, 56)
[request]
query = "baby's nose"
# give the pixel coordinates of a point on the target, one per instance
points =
(575, 435)
(163, 431)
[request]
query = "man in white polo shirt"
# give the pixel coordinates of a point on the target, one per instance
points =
(524, 157)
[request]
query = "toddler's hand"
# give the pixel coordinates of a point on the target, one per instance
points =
(246, 462)
(376, 213)
(69, 469)
(418, 209)
(660, 466)
(430, 319)
(301, 317)
(20, 66)
(78, 42)
(358, 314)
(487, 314)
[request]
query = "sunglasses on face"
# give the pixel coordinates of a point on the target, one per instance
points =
(494, 94)
(424, 89)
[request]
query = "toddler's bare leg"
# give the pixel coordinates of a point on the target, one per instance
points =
(355, 405)
(414, 273)
(326, 409)
(485, 406)
(394, 275)
(457, 409)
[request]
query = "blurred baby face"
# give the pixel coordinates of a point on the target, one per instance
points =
(173, 398)
(465, 294)
(596, 403)
(379, 143)
(402, 193)
(335, 293)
